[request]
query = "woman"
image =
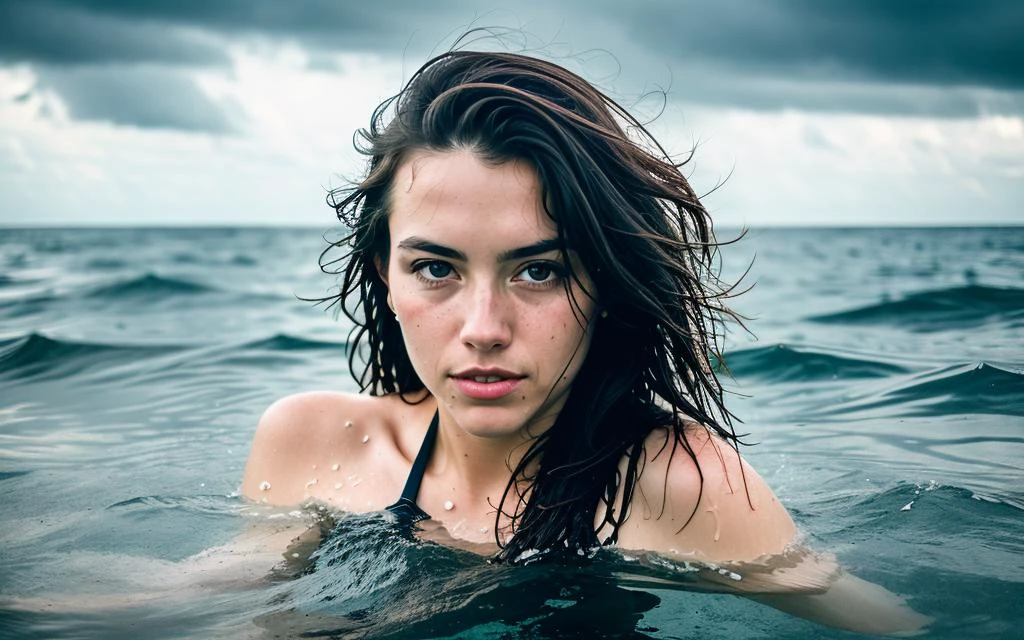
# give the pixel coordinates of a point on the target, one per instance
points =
(536, 312)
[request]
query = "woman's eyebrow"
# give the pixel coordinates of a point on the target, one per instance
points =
(535, 249)
(416, 243)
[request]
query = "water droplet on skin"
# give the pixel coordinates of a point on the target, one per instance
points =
(348, 424)
(337, 485)
(718, 525)
(366, 439)
(264, 486)
(448, 505)
(311, 483)
(334, 467)
(355, 483)
(295, 555)
(483, 529)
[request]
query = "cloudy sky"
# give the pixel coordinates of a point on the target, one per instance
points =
(184, 112)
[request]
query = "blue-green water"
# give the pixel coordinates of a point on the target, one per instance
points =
(885, 391)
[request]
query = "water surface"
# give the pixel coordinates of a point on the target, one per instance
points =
(885, 392)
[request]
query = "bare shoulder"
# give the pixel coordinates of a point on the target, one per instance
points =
(323, 445)
(710, 505)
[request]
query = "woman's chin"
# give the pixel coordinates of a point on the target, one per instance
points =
(494, 422)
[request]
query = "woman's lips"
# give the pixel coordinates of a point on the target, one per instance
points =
(486, 385)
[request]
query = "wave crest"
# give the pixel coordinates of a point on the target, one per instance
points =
(285, 342)
(149, 287)
(36, 355)
(958, 390)
(782, 363)
(939, 309)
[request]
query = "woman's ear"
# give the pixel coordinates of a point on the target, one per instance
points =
(382, 272)
(382, 268)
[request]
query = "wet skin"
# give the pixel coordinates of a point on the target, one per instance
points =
(479, 286)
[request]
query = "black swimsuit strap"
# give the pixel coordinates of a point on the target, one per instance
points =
(406, 506)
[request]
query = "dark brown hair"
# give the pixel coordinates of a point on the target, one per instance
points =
(639, 231)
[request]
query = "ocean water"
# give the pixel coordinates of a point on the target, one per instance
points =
(884, 391)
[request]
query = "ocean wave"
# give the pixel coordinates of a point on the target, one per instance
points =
(22, 277)
(785, 364)
(957, 390)
(37, 356)
(907, 499)
(935, 509)
(105, 264)
(276, 351)
(149, 287)
(22, 307)
(285, 342)
(7, 475)
(201, 504)
(980, 388)
(244, 260)
(939, 309)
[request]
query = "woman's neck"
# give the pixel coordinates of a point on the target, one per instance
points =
(476, 467)
(468, 475)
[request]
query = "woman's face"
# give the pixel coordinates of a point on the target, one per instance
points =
(478, 285)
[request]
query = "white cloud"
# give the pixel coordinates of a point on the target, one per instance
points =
(296, 141)
(838, 169)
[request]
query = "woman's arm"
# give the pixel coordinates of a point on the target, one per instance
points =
(267, 548)
(712, 507)
(740, 526)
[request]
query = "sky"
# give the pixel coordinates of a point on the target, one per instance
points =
(242, 112)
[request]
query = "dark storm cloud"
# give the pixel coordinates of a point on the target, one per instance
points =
(916, 57)
(944, 42)
(102, 58)
(958, 42)
(765, 93)
(152, 98)
(337, 24)
(58, 33)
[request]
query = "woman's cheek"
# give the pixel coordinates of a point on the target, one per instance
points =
(423, 328)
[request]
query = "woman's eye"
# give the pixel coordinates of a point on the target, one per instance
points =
(539, 273)
(434, 270)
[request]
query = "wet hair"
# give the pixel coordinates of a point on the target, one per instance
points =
(641, 234)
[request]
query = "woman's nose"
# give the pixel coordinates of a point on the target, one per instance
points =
(487, 324)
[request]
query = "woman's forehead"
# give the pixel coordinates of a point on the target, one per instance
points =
(463, 169)
(458, 193)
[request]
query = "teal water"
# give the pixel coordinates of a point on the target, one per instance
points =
(884, 390)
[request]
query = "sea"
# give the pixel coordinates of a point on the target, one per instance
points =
(878, 375)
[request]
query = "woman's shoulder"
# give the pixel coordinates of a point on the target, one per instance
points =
(306, 444)
(318, 410)
(696, 497)
(307, 421)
